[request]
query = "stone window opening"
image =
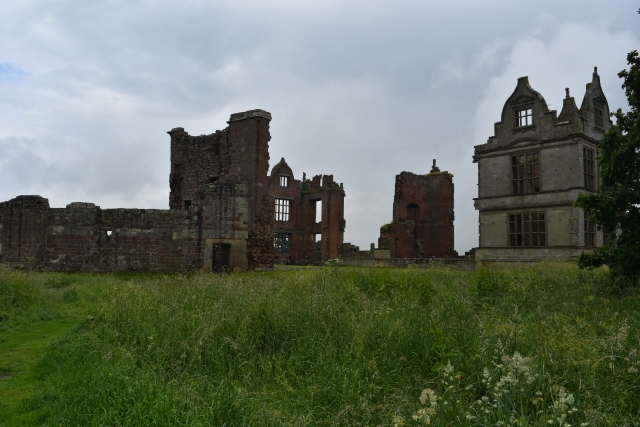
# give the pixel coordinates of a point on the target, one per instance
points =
(589, 231)
(317, 242)
(284, 181)
(527, 229)
(589, 169)
(598, 114)
(524, 117)
(318, 204)
(283, 209)
(109, 233)
(525, 170)
(281, 242)
(413, 212)
(186, 204)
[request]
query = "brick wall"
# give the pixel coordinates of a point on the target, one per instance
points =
(423, 217)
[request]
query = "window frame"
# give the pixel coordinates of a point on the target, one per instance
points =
(589, 232)
(282, 209)
(284, 179)
(530, 175)
(524, 229)
(598, 113)
(526, 119)
(589, 168)
(281, 242)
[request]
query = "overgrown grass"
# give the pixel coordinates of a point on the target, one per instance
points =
(545, 345)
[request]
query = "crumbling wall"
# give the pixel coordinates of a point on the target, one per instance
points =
(423, 216)
(23, 225)
(196, 161)
(260, 252)
(302, 227)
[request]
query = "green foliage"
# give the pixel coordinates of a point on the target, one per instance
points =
(617, 206)
(546, 345)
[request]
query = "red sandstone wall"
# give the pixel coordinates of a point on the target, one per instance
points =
(431, 233)
(195, 161)
(23, 225)
(302, 225)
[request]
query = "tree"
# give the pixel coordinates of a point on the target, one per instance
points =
(616, 208)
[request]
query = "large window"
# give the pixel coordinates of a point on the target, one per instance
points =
(524, 117)
(589, 231)
(525, 170)
(527, 229)
(281, 242)
(283, 208)
(589, 169)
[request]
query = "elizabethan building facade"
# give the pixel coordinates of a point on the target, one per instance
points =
(531, 172)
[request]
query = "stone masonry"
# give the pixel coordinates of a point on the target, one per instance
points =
(422, 225)
(220, 216)
(531, 172)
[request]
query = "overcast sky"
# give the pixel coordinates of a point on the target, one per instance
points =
(359, 89)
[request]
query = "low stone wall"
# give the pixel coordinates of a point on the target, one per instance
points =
(455, 263)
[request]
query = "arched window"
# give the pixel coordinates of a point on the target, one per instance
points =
(413, 212)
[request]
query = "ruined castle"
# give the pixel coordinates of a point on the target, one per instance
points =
(228, 212)
(225, 212)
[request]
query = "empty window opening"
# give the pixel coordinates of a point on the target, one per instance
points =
(525, 170)
(589, 232)
(213, 178)
(221, 257)
(281, 242)
(413, 212)
(589, 169)
(599, 115)
(284, 181)
(527, 229)
(283, 209)
(186, 205)
(524, 117)
(317, 242)
(318, 204)
(109, 233)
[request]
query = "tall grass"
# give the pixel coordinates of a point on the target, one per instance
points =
(546, 345)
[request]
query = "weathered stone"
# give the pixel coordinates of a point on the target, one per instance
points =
(560, 142)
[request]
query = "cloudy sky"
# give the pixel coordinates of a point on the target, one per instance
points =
(359, 89)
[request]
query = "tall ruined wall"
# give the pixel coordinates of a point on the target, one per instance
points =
(422, 217)
(301, 226)
(240, 150)
(23, 227)
(196, 161)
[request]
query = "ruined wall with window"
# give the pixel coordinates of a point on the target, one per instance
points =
(309, 216)
(423, 215)
(225, 213)
(532, 170)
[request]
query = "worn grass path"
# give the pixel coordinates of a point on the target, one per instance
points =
(20, 349)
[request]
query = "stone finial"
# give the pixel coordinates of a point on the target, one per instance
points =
(434, 168)
(304, 176)
(595, 70)
(567, 90)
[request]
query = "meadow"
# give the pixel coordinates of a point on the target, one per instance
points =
(545, 345)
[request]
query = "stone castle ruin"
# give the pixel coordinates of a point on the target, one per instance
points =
(227, 211)
(224, 209)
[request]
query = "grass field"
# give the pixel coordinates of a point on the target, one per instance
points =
(544, 345)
